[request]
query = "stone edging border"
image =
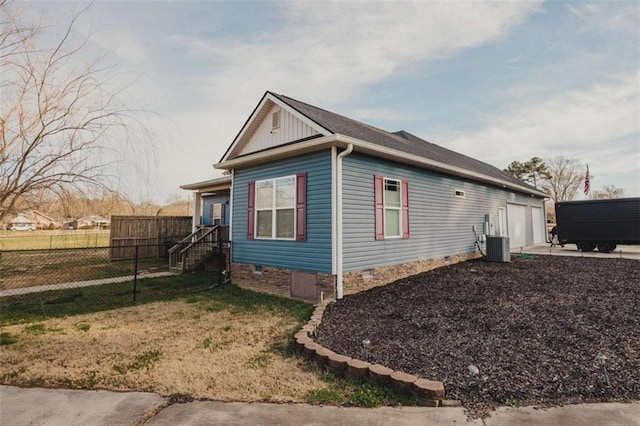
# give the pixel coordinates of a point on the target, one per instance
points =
(430, 392)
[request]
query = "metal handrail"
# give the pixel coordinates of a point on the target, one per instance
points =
(185, 240)
(202, 237)
(188, 243)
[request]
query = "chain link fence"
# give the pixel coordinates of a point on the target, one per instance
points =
(56, 239)
(38, 284)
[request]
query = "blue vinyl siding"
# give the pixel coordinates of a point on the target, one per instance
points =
(312, 255)
(440, 223)
(206, 208)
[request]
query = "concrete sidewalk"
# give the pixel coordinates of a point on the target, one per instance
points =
(622, 251)
(80, 284)
(36, 406)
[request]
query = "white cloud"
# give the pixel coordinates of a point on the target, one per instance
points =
(322, 53)
(598, 125)
(621, 16)
(328, 52)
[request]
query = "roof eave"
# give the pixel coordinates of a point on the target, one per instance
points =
(376, 151)
(209, 185)
(395, 155)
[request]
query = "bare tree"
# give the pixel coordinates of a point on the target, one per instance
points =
(609, 191)
(61, 124)
(565, 177)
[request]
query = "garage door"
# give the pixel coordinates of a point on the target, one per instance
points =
(538, 225)
(516, 224)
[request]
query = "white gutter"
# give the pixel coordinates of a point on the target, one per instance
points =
(334, 214)
(390, 153)
(339, 284)
(230, 212)
(375, 150)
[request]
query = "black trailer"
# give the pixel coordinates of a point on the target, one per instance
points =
(599, 223)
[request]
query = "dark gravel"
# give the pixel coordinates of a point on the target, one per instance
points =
(533, 327)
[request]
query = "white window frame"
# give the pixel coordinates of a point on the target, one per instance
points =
(385, 207)
(459, 193)
(274, 209)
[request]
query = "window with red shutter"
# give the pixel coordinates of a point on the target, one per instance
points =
(279, 208)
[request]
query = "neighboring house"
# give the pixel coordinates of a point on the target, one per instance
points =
(92, 221)
(43, 221)
(22, 223)
(70, 223)
(323, 204)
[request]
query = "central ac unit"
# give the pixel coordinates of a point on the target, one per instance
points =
(498, 249)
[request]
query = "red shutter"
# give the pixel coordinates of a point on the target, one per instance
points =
(379, 205)
(301, 207)
(405, 209)
(251, 209)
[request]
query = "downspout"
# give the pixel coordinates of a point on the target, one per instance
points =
(230, 253)
(339, 284)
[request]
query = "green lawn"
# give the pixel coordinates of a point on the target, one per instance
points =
(218, 342)
(34, 240)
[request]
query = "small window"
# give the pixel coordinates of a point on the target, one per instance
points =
(257, 269)
(459, 193)
(275, 120)
(392, 208)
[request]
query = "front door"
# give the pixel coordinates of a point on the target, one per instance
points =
(216, 214)
(502, 222)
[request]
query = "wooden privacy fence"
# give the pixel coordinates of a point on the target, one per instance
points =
(152, 235)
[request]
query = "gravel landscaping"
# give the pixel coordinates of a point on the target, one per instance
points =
(532, 327)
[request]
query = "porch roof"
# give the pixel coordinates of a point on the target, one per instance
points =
(210, 185)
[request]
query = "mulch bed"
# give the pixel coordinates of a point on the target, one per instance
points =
(532, 327)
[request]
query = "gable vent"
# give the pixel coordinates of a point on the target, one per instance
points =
(275, 120)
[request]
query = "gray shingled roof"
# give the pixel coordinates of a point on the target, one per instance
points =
(401, 141)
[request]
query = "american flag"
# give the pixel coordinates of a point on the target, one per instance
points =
(586, 182)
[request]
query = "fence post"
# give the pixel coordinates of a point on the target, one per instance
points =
(135, 276)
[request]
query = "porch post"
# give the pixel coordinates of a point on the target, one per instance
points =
(196, 211)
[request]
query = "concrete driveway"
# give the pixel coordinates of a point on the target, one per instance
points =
(622, 251)
(52, 407)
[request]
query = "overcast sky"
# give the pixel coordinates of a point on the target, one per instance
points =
(495, 81)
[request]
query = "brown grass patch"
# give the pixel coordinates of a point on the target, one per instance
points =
(167, 347)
